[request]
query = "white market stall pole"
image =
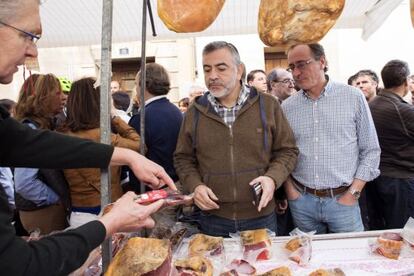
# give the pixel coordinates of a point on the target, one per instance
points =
(105, 77)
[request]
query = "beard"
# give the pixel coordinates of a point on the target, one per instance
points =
(219, 89)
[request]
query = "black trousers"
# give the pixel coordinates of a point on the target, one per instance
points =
(390, 202)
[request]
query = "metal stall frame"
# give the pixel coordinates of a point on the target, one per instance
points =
(105, 101)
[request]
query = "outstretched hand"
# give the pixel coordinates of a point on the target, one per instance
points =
(126, 215)
(144, 169)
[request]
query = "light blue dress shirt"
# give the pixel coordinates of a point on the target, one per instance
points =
(336, 137)
(6, 180)
(29, 186)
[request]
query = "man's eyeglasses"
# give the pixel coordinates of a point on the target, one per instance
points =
(300, 65)
(29, 36)
(286, 81)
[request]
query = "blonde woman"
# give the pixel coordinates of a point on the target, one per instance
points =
(38, 194)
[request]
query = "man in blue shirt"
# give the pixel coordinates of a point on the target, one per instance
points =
(162, 119)
(338, 146)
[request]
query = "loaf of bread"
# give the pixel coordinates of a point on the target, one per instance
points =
(183, 16)
(287, 22)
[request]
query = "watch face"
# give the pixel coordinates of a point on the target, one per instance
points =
(356, 193)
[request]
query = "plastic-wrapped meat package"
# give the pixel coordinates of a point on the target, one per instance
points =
(239, 267)
(408, 231)
(300, 246)
(328, 272)
(205, 245)
(142, 256)
(193, 266)
(388, 244)
(256, 245)
(171, 197)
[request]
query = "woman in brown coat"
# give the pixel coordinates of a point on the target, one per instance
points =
(83, 117)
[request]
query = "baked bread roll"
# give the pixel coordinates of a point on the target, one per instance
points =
(287, 22)
(142, 256)
(183, 16)
(202, 244)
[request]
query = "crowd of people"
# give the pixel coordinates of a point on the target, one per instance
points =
(327, 157)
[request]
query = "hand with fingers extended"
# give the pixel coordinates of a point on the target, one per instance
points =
(268, 187)
(204, 198)
(126, 215)
(147, 171)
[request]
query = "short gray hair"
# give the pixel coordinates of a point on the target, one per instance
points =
(216, 45)
(9, 8)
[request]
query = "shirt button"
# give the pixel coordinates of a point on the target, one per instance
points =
(316, 121)
(316, 139)
(317, 176)
(316, 157)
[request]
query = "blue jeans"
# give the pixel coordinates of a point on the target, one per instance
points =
(325, 214)
(218, 226)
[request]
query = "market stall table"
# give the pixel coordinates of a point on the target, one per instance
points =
(348, 251)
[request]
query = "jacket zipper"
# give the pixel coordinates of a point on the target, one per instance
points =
(232, 172)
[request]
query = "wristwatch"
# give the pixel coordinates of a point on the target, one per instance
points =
(355, 193)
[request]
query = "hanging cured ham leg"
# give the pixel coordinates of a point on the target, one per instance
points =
(284, 22)
(183, 16)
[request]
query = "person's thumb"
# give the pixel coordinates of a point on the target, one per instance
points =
(148, 223)
(154, 207)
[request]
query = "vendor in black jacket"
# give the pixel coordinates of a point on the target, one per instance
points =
(21, 146)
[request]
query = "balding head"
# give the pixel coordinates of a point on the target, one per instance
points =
(280, 83)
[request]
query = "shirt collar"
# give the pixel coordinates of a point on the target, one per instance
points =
(147, 102)
(327, 89)
(243, 95)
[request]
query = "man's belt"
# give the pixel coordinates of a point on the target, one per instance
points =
(330, 192)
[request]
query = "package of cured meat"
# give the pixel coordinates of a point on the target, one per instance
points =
(171, 197)
(300, 246)
(388, 244)
(408, 232)
(256, 244)
(205, 245)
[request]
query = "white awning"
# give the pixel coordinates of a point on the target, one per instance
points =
(78, 22)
